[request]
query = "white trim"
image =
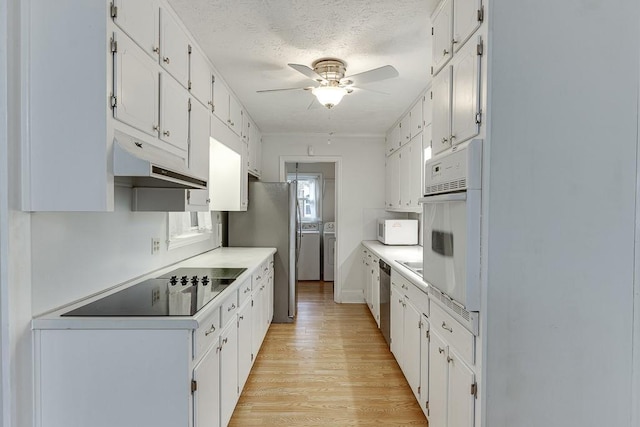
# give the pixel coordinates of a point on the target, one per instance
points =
(337, 284)
(635, 360)
(5, 354)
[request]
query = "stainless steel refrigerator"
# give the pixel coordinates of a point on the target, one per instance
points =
(271, 220)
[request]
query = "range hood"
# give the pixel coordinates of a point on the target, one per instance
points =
(149, 166)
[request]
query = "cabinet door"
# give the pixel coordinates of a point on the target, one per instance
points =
(228, 371)
(424, 364)
(417, 119)
(244, 178)
(397, 322)
(461, 408)
(174, 113)
(206, 398)
(467, 17)
(411, 347)
(427, 108)
(367, 281)
(235, 116)
(392, 171)
(405, 176)
(200, 78)
(257, 317)
(405, 129)
(442, 31)
(245, 353)
(438, 381)
(140, 20)
(417, 166)
(135, 85)
(174, 48)
(375, 290)
(220, 100)
(441, 124)
(466, 93)
(199, 140)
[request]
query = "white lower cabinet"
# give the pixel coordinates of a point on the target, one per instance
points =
(425, 334)
(406, 326)
(161, 377)
(229, 392)
(206, 396)
(452, 381)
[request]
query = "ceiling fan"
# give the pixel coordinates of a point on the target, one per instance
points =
(330, 74)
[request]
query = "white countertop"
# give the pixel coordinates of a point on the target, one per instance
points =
(393, 253)
(249, 258)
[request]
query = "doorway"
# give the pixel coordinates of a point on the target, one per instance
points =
(319, 196)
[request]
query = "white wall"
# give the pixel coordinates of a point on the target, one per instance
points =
(75, 255)
(562, 161)
(362, 183)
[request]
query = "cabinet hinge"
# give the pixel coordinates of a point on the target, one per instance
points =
(189, 103)
(252, 357)
(481, 14)
(114, 101)
(114, 11)
(431, 30)
(419, 325)
(189, 85)
(194, 386)
(189, 49)
(251, 303)
(431, 95)
(427, 334)
(432, 73)
(474, 389)
(419, 389)
(114, 46)
(480, 48)
(479, 118)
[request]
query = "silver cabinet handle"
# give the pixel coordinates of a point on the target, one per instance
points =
(449, 359)
(156, 49)
(166, 133)
(210, 331)
(447, 328)
(156, 128)
(166, 59)
(224, 341)
(247, 290)
(444, 140)
(440, 350)
(241, 317)
(231, 307)
(445, 52)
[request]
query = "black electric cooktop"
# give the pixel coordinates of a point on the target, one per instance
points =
(181, 292)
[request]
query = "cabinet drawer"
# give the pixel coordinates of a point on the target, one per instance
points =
(418, 298)
(206, 334)
(229, 308)
(454, 333)
(244, 291)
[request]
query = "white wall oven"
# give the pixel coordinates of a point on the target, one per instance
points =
(451, 214)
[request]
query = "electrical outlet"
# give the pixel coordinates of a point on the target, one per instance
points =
(155, 245)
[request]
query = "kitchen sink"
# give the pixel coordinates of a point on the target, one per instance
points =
(414, 266)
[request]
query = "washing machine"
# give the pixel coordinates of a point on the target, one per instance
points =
(329, 240)
(309, 256)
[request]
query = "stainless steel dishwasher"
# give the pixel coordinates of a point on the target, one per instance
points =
(385, 300)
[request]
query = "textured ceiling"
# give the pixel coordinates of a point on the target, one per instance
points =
(250, 42)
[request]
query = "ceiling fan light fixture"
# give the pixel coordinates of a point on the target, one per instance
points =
(329, 96)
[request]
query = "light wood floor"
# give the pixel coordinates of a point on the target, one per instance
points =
(332, 367)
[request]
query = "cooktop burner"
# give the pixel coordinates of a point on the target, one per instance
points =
(180, 292)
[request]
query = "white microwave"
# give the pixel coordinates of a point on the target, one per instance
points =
(398, 231)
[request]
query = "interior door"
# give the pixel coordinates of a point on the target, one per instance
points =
(135, 85)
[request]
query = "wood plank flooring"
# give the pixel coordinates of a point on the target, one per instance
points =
(332, 367)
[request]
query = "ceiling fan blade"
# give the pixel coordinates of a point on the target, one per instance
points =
(303, 69)
(377, 74)
(285, 89)
(367, 90)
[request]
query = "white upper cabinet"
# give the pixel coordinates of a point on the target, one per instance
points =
(235, 116)
(442, 32)
(174, 48)
(441, 122)
(200, 77)
(467, 17)
(405, 176)
(174, 113)
(135, 86)
(221, 100)
(417, 118)
(465, 104)
(405, 130)
(199, 127)
(416, 181)
(427, 108)
(140, 20)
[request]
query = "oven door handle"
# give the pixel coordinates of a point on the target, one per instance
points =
(439, 198)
